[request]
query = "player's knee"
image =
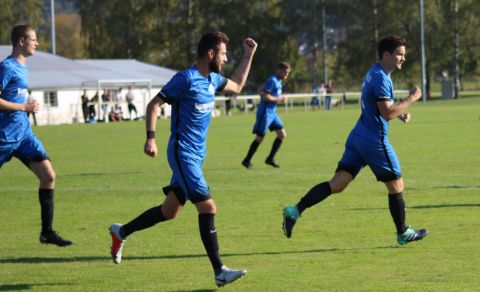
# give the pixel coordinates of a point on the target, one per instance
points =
(281, 134)
(206, 207)
(259, 139)
(170, 213)
(395, 187)
(340, 182)
(210, 209)
(337, 188)
(48, 177)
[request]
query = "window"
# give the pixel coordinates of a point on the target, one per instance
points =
(50, 98)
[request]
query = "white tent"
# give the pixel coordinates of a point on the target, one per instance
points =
(133, 69)
(52, 77)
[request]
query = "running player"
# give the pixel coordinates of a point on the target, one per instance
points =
(16, 136)
(191, 94)
(267, 116)
(368, 143)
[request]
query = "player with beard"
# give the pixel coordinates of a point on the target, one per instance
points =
(191, 94)
(368, 143)
(16, 136)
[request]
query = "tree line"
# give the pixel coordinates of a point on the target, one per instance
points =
(332, 39)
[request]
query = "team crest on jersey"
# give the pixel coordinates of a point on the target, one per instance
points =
(368, 78)
(21, 91)
(204, 107)
(211, 89)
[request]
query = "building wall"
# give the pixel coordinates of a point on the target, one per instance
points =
(68, 109)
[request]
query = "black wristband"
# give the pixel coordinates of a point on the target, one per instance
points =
(150, 134)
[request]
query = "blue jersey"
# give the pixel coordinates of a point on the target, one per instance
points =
(377, 86)
(14, 125)
(273, 86)
(191, 96)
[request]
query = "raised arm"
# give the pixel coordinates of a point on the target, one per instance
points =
(150, 147)
(390, 110)
(237, 81)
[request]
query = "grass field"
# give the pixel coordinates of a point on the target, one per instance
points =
(346, 243)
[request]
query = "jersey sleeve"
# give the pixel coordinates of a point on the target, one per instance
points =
(4, 77)
(269, 86)
(382, 88)
(176, 89)
(219, 82)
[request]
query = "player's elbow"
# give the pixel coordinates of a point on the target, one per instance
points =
(236, 88)
(389, 116)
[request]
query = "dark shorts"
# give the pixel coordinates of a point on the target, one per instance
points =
(29, 149)
(378, 155)
(270, 122)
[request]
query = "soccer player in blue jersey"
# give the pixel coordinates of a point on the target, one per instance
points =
(191, 94)
(16, 136)
(267, 116)
(368, 143)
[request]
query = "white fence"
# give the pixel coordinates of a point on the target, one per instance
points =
(249, 102)
(69, 108)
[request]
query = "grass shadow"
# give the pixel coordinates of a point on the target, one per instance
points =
(420, 207)
(40, 260)
(457, 187)
(101, 173)
(24, 286)
(444, 206)
(196, 290)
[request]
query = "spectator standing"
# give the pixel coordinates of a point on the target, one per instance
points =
(85, 105)
(92, 112)
(130, 97)
(106, 98)
(328, 98)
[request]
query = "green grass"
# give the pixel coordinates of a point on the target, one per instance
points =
(346, 243)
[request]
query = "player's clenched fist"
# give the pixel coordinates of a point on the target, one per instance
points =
(415, 93)
(150, 148)
(250, 46)
(405, 117)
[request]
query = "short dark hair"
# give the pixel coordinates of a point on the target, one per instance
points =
(19, 31)
(389, 44)
(284, 66)
(210, 41)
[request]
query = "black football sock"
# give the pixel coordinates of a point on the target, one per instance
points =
(208, 233)
(251, 150)
(45, 197)
(397, 210)
(276, 145)
(314, 196)
(147, 219)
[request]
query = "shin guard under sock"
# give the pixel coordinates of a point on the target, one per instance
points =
(209, 238)
(45, 196)
(317, 194)
(397, 210)
(147, 219)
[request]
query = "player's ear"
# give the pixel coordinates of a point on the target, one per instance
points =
(21, 41)
(211, 54)
(386, 54)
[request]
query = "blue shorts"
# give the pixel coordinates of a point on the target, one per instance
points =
(188, 181)
(271, 122)
(29, 149)
(378, 155)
